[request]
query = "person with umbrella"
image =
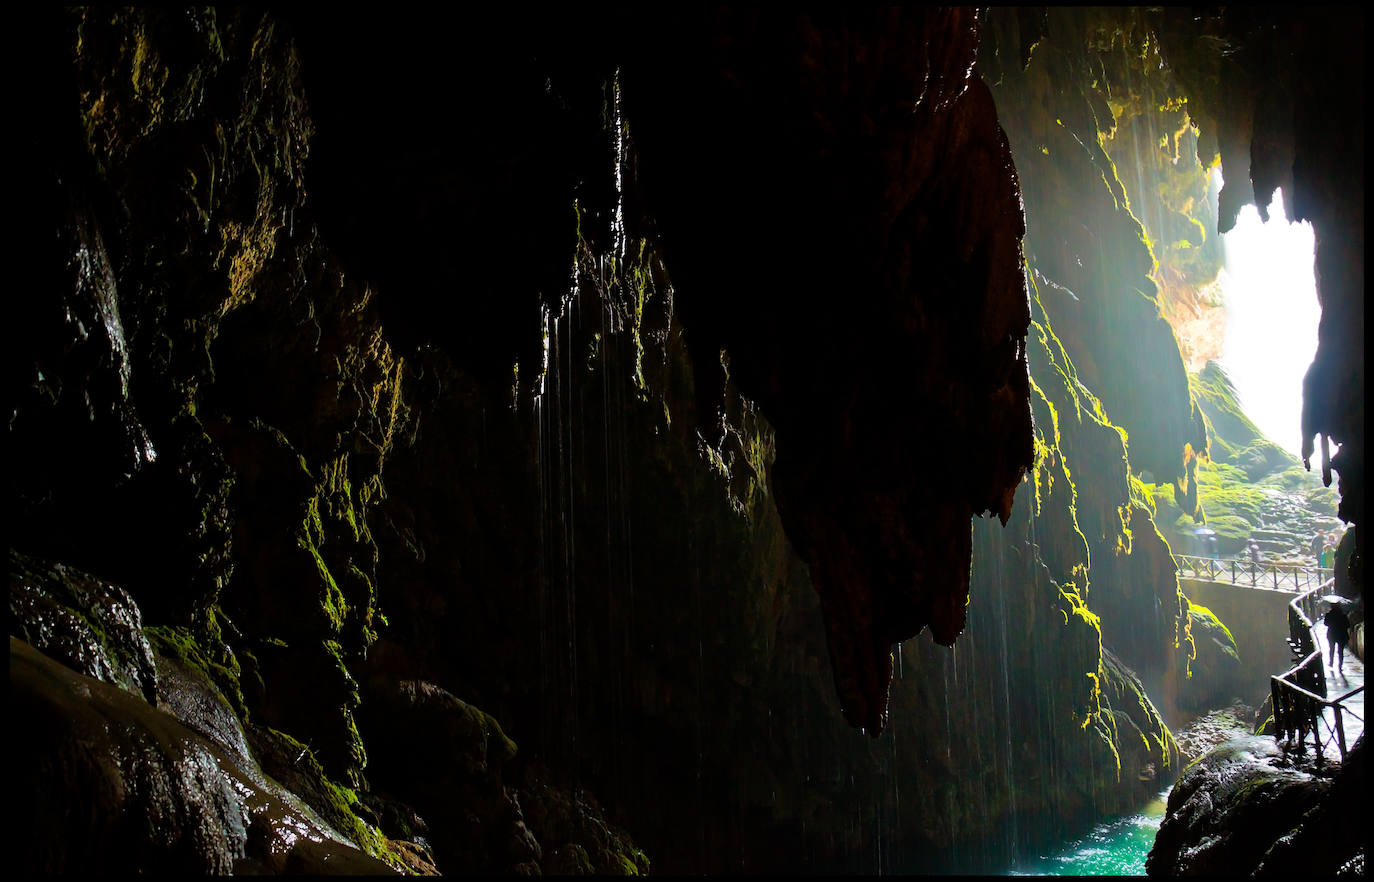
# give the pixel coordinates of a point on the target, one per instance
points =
(1207, 540)
(1337, 632)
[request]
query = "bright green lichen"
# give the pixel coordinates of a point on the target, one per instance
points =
(223, 672)
(297, 768)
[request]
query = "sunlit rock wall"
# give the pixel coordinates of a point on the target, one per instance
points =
(1258, 88)
(1108, 366)
(1081, 234)
(1277, 89)
(1154, 145)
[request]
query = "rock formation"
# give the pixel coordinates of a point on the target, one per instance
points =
(479, 444)
(1247, 809)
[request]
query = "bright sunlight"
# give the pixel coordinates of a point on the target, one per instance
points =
(1270, 296)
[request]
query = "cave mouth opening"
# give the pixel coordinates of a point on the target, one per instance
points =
(1269, 292)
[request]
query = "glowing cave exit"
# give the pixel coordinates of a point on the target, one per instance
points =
(1270, 295)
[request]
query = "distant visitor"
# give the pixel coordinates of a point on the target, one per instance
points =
(1329, 554)
(1337, 634)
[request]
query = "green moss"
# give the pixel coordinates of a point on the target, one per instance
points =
(357, 754)
(1230, 503)
(1143, 495)
(314, 526)
(333, 603)
(1225, 486)
(222, 672)
(1216, 395)
(295, 767)
(571, 860)
(1209, 620)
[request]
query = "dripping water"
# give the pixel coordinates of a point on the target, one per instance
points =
(1008, 770)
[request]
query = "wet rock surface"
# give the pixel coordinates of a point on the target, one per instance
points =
(91, 626)
(155, 797)
(1212, 729)
(1250, 807)
(444, 756)
(1216, 673)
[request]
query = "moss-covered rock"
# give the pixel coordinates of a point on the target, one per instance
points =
(578, 838)
(1248, 487)
(1214, 672)
(157, 796)
(92, 626)
(1057, 104)
(1243, 807)
(294, 766)
(446, 758)
(218, 667)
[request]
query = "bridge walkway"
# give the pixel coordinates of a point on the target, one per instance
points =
(1274, 575)
(1304, 585)
(1310, 699)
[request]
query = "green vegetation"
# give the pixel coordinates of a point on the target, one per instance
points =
(1143, 495)
(293, 765)
(1228, 428)
(1204, 621)
(1245, 482)
(220, 671)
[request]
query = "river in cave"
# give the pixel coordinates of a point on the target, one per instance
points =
(1116, 847)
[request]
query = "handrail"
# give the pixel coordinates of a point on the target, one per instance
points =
(1299, 694)
(1279, 577)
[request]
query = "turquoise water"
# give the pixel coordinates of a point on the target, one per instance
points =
(1113, 848)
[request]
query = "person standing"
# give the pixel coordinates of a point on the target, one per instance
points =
(1318, 543)
(1337, 635)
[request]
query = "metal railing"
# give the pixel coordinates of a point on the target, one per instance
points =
(1277, 576)
(1299, 694)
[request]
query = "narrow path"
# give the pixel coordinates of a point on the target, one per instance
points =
(1337, 685)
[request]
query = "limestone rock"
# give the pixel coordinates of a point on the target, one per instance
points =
(155, 795)
(1249, 807)
(92, 626)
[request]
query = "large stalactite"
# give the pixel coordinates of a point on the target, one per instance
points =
(816, 179)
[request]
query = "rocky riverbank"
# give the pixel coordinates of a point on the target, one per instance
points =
(1249, 807)
(1212, 729)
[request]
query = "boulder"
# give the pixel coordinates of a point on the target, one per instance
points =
(155, 795)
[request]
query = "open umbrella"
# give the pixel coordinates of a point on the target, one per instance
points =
(1336, 599)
